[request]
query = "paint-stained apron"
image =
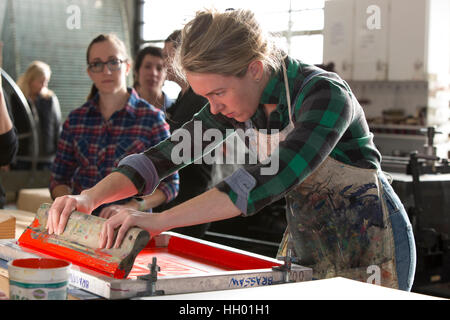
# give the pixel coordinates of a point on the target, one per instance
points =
(339, 221)
(339, 225)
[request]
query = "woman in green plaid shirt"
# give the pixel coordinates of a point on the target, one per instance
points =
(313, 146)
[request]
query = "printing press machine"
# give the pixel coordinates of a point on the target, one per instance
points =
(422, 182)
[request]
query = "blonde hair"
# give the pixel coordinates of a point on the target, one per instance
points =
(35, 70)
(225, 43)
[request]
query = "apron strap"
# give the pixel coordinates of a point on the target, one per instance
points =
(304, 83)
(288, 95)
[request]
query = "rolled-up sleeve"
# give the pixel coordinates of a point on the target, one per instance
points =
(170, 186)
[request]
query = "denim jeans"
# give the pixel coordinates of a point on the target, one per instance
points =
(405, 248)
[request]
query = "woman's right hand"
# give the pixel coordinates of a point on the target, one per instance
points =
(125, 219)
(63, 207)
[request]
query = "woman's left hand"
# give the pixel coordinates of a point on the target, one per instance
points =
(124, 219)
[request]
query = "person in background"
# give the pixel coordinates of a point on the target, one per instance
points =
(8, 142)
(112, 124)
(196, 178)
(8, 136)
(314, 148)
(46, 111)
(149, 76)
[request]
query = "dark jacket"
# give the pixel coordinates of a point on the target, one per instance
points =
(46, 114)
(195, 178)
(49, 115)
(8, 146)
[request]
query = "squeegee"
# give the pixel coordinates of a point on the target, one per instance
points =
(79, 243)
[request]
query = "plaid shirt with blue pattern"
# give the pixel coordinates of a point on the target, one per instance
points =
(90, 147)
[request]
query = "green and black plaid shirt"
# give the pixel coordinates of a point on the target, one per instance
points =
(327, 123)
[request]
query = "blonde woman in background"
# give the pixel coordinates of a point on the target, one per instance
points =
(46, 112)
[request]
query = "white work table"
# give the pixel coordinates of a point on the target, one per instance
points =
(327, 289)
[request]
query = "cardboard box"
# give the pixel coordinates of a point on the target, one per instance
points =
(31, 199)
(7, 227)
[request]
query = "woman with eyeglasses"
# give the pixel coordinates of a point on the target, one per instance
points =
(113, 123)
(149, 76)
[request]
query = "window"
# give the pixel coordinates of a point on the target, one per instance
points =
(299, 23)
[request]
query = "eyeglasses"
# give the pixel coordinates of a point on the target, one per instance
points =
(112, 65)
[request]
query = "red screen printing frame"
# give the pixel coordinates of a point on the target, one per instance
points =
(185, 256)
(187, 265)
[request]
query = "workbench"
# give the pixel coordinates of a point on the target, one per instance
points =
(170, 263)
(328, 289)
(23, 220)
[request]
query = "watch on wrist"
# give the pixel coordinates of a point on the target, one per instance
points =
(141, 204)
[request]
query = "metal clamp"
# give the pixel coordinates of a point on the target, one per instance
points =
(287, 266)
(151, 279)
